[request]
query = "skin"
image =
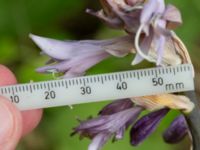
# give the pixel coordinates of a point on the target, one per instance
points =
(14, 124)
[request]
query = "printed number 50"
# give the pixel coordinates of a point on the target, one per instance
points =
(157, 81)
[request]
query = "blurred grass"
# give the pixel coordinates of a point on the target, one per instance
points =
(65, 19)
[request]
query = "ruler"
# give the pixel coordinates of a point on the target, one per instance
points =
(95, 88)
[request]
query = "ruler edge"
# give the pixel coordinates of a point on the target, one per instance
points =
(190, 66)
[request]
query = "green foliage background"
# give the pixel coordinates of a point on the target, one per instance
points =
(66, 19)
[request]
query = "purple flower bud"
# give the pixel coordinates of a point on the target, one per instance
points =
(116, 106)
(146, 125)
(103, 127)
(177, 130)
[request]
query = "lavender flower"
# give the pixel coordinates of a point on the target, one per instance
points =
(73, 58)
(176, 131)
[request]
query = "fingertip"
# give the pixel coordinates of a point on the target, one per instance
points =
(10, 124)
(30, 120)
(6, 76)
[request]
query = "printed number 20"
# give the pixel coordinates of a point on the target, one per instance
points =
(50, 95)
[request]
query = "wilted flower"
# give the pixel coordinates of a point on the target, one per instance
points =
(149, 26)
(149, 23)
(153, 22)
(120, 14)
(160, 101)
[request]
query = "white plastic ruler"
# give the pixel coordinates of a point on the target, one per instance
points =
(100, 87)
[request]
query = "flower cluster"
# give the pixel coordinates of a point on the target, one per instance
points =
(149, 25)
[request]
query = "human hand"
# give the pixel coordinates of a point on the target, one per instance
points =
(13, 123)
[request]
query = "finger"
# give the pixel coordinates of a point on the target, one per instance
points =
(6, 76)
(30, 118)
(10, 125)
(10, 117)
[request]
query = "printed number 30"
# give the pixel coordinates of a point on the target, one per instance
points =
(86, 90)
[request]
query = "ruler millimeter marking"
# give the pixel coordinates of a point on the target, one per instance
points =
(100, 87)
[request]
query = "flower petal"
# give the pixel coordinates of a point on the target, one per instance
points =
(146, 125)
(98, 141)
(160, 48)
(170, 56)
(80, 68)
(129, 18)
(150, 7)
(177, 130)
(181, 49)
(120, 119)
(120, 133)
(110, 124)
(59, 67)
(54, 48)
(121, 46)
(63, 50)
(112, 22)
(134, 2)
(145, 47)
(165, 100)
(116, 106)
(173, 16)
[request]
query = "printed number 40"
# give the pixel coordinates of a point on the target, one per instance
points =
(122, 86)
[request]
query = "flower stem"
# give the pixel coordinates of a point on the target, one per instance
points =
(193, 120)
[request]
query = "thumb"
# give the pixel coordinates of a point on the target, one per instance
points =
(10, 125)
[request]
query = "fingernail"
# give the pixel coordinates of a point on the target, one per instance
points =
(6, 123)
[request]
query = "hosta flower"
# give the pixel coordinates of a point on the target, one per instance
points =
(74, 58)
(67, 57)
(155, 17)
(149, 25)
(110, 123)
